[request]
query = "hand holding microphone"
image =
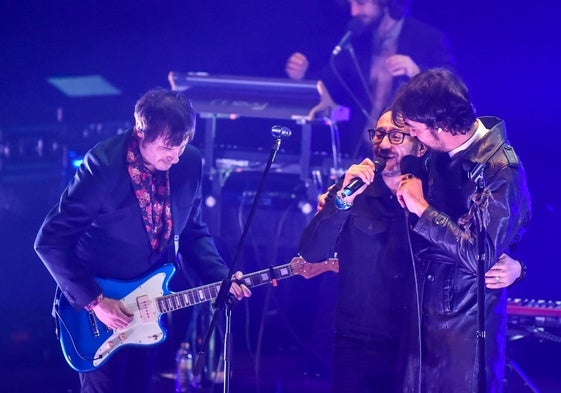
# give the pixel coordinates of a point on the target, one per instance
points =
(361, 174)
(410, 191)
(356, 179)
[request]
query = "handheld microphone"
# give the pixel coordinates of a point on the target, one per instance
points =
(280, 132)
(413, 165)
(354, 28)
(356, 183)
(416, 167)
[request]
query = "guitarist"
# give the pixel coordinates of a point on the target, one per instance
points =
(133, 204)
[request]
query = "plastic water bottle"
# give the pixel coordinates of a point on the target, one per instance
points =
(184, 364)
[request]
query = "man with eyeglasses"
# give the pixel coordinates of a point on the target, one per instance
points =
(375, 324)
(390, 48)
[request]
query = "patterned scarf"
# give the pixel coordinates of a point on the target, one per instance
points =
(153, 193)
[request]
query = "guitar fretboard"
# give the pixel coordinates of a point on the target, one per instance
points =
(191, 297)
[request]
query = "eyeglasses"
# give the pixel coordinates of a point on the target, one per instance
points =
(394, 136)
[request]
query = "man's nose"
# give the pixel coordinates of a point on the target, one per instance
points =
(385, 142)
(175, 157)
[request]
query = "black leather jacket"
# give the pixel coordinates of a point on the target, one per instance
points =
(447, 266)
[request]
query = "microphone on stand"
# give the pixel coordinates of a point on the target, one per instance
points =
(354, 28)
(280, 132)
(356, 183)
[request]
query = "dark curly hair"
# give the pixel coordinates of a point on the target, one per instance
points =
(437, 98)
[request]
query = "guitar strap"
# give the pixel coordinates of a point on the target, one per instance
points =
(176, 250)
(54, 311)
(174, 213)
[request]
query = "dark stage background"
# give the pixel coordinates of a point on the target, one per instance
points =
(507, 52)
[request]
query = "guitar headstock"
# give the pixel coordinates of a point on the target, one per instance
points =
(309, 270)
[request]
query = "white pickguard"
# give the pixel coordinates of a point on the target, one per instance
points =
(145, 327)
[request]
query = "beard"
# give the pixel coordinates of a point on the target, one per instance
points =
(392, 166)
(372, 23)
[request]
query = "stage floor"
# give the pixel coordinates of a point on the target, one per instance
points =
(288, 372)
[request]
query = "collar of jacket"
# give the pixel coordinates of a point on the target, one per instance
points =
(377, 188)
(476, 156)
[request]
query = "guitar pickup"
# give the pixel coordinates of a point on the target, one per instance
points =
(145, 309)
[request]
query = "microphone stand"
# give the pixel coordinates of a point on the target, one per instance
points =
(481, 329)
(224, 299)
(347, 87)
(361, 76)
(364, 84)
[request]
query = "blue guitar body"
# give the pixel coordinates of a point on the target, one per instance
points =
(87, 343)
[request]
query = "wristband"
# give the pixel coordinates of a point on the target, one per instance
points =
(523, 271)
(341, 203)
(95, 302)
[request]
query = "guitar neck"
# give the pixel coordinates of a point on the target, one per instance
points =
(205, 293)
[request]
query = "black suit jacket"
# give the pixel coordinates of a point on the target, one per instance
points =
(96, 230)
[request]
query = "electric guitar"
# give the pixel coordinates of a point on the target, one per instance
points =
(87, 343)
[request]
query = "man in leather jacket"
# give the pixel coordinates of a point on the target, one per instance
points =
(476, 182)
(375, 315)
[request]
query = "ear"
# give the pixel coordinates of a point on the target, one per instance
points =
(139, 133)
(421, 151)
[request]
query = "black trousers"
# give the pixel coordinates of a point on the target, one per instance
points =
(128, 370)
(365, 367)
